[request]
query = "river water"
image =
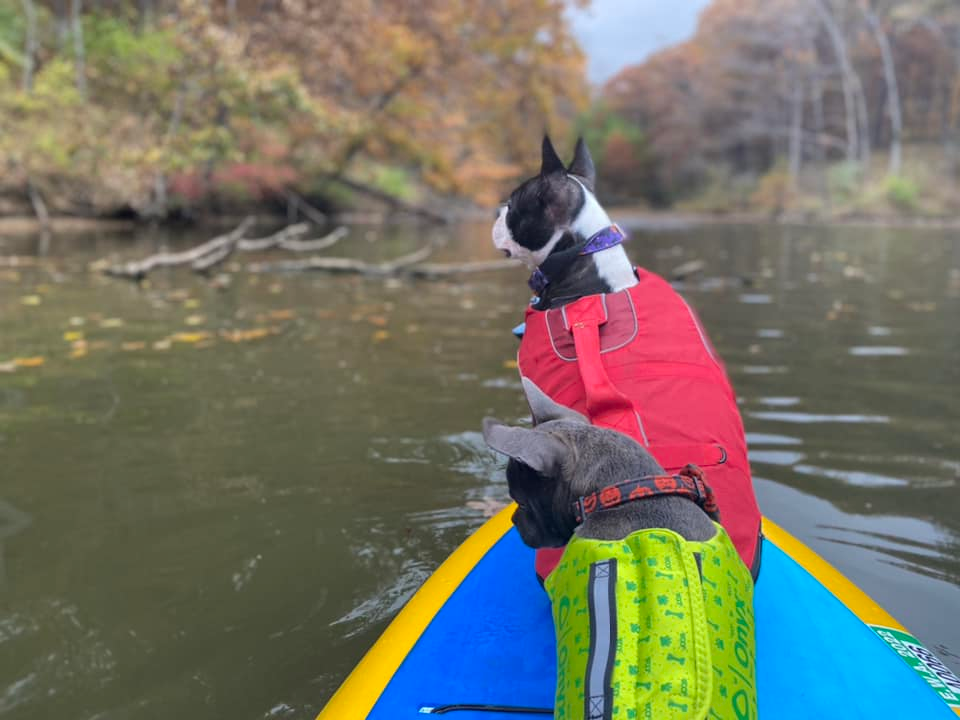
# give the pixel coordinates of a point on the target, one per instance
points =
(213, 498)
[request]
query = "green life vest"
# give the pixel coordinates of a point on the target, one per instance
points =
(653, 626)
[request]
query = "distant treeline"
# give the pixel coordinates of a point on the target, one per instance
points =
(808, 105)
(157, 107)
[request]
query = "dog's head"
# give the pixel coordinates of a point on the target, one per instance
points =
(557, 202)
(560, 459)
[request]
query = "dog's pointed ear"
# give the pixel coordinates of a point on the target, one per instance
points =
(550, 162)
(540, 450)
(544, 409)
(582, 165)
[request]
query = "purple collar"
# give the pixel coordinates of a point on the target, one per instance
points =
(601, 240)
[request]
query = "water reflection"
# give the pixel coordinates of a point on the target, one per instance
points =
(226, 514)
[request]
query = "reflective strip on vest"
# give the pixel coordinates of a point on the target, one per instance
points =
(653, 626)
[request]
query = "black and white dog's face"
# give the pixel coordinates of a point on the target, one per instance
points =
(557, 202)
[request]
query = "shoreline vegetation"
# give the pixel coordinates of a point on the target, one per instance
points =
(179, 111)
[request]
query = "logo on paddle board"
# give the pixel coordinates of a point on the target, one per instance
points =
(937, 675)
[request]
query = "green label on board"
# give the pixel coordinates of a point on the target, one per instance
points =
(937, 675)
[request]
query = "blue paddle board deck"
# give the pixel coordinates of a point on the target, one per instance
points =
(480, 632)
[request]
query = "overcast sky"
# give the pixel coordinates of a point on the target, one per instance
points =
(615, 33)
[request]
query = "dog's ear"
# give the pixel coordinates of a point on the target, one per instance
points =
(550, 162)
(544, 409)
(539, 450)
(582, 165)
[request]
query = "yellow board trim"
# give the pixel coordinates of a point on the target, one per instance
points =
(363, 687)
(861, 604)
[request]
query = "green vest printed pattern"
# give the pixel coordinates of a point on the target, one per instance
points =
(682, 648)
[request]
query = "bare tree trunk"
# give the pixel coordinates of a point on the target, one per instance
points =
(818, 155)
(864, 117)
(62, 22)
(796, 133)
(893, 91)
(30, 44)
(79, 56)
(847, 75)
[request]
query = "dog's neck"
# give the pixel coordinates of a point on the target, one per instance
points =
(600, 272)
(675, 513)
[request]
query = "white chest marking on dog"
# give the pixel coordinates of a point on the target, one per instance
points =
(613, 265)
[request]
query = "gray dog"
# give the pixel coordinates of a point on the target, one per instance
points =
(652, 605)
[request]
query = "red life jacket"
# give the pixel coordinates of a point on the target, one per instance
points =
(638, 361)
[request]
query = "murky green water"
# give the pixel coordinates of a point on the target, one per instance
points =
(220, 525)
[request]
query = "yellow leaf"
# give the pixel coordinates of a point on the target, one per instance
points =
(111, 323)
(510, 364)
(191, 303)
(133, 345)
(77, 352)
(30, 300)
(378, 320)
(29, 362)
(189, 337)
(380, 335)
(195, 319)
(73, 335)
(282, 314)
(236, 336)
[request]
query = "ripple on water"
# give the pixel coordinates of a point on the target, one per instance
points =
(858, 478)
(879, 331)
(763, 369)
(779, 401)
(775, 457)
(755, 299)
(769, 333)
(770, 439)
(386, 601)
(878, 351)
(807, 418)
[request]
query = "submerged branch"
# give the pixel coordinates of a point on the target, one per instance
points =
(138, 269)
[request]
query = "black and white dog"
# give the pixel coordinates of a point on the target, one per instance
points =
(547, 222)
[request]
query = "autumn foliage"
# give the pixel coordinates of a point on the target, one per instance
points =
(162, 106)
(802, 90)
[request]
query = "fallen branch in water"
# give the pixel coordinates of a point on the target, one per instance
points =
(408, 265)
(346, 265)
(206, 256)
(138, 269)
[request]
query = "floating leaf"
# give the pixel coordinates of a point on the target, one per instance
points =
(189, 337)
(191, 303)
(282, 314)
(111, 323)
(77, 321)
(164, 344)
(275, 289)
(8, 367)
(73, 335)
(29, 362)
(237, 336)
(378, 320)
(380, 335)
(325, 314)
(132, 345)
(78, 352)
(510, 364)
(194, 320)
(31, 300)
